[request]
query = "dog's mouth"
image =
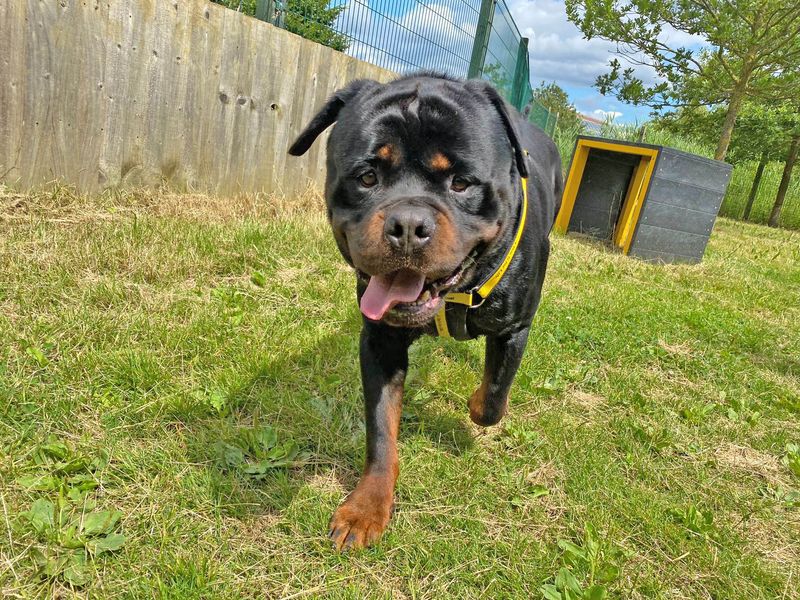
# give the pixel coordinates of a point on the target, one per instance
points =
(405, 294)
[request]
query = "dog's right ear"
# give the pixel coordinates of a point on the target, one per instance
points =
(328, 114)
(501, 107)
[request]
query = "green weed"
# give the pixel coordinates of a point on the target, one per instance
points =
(68, 530)
(254, 452)
(590, 565)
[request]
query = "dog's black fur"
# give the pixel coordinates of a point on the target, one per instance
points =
(443, 158)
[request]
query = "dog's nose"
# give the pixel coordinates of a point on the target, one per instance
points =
(409, 228)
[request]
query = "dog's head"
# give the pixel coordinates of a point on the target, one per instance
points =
(420, 183)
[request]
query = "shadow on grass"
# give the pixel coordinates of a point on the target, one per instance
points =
(782, 365)
(314, 398)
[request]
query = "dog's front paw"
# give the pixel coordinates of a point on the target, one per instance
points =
(485, 410)
(363, 517)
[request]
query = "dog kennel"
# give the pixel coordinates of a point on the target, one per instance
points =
(653, 202)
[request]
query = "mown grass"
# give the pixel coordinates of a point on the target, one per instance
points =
(648, 448)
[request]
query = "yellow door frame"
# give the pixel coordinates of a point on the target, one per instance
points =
(634, 198)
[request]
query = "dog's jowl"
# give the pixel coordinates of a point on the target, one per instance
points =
(441, 197)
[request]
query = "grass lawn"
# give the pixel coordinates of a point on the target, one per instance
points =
(180, 413)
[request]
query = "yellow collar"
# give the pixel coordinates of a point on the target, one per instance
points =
(478, 295)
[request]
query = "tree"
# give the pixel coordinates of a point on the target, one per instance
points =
(751, 49)
(555, 99)
(791, 158)
(763, 133)
(311, 19)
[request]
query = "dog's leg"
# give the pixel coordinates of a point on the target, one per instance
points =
(364, 515)
(503, 356)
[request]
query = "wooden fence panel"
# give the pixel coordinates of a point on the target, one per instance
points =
(137, 92)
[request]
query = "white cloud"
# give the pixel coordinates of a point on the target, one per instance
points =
(606, 115)
(405, 36)
(557, 48)
(434, 36)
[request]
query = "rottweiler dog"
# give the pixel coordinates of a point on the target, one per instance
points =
(441, 197)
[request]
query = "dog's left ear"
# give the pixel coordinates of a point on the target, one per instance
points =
(328, 114)
(511, 131)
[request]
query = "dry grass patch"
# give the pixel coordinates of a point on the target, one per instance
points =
(555, 503)
(326, 482)
(257, 529)
(586, 400)
(62, 205)
(207, 208)
(778, 544)
(749, 460)
(294, 276)
(683, 349)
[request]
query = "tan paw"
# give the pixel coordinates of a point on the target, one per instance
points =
(362, 519)
(485, 413)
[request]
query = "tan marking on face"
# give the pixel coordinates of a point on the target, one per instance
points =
(372, 241)
(489, 232)
(446, 244)
(439, 162)
(389, 153)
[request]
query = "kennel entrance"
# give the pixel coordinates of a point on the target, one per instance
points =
(605, 189)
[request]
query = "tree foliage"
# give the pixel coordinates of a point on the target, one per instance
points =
(763, 131)
(556, 100)
(495, 74)
(747, 49)
(314, 20)
(311, 19)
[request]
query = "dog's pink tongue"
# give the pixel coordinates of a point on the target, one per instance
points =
(384, 291)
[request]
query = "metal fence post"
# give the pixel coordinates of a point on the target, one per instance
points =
(265, 10)
(482, 33)
(520, 72)
(280, 14)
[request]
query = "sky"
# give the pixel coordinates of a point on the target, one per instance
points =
(559, 53)
(402, 35)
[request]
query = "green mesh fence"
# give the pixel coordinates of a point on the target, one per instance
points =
(463, 38)
(539, 115)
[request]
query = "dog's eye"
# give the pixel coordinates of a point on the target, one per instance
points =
(459, 184)
(368, 179)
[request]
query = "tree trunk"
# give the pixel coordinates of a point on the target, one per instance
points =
(787, 175)
(738, 94)
(734, 104)
(754, 189)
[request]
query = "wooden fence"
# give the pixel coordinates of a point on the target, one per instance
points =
(125, 93)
